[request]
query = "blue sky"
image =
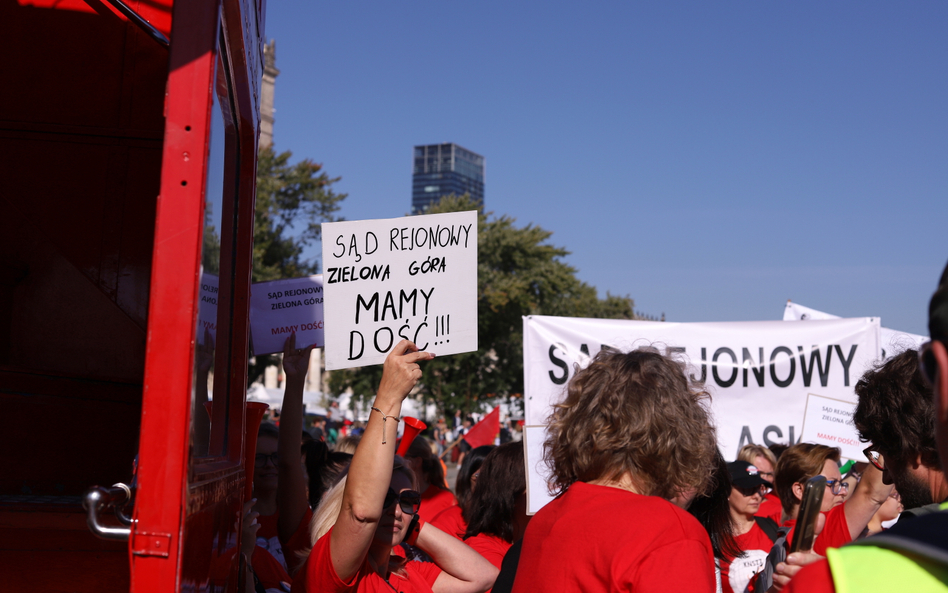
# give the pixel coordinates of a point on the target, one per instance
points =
(710, 160)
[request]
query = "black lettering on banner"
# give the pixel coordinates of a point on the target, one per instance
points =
(391, 339)
(760, 370)
(771, 429)
(846, 361)
(714, 366)
(373, 303)
(704, 368)
(816, 362)
(745, 439)
(560, 363)
(773, 366)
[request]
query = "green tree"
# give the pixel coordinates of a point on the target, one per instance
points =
(292, 202)
(519, 273)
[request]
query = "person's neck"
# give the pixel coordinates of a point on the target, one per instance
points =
(623, 482)
(938, 484)
(379, 557)
(742, 523)
(266, 503)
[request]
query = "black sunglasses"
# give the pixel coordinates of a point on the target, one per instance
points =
(409, 500)
(927, 364)
(260, 459)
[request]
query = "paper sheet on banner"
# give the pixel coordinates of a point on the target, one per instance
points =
(207, 307)
(758, 373)
(282, 307)
(829, 421)
(413, 277)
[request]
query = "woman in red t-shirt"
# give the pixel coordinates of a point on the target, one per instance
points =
(379, 509)
(630, 434)
(429, 472)
(498, 510)
(747, 493)
(451, 520)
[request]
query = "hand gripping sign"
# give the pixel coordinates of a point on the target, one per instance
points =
(409, 278)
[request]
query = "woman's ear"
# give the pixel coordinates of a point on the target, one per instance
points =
(798, 492)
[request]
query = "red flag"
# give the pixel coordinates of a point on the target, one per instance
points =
(485, 431)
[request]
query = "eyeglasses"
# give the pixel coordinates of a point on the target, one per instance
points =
(875, 458)
(895, 494)
(837, 486)
(752, 490)
(769, 476)
(927, 364)
(408, 500)
(260, 459)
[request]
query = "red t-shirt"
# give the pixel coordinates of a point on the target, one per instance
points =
(434, 500)
(736, 573)
(835, 532)
(490, 547)
(451, 521)
(597, 538)
(319, 576)
(285, 552)
(771, 508)
(812, 578)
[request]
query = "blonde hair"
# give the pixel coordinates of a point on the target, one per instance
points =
(347, 444)
(750, 453)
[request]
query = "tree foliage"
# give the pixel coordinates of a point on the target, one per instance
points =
(518, 273)
(292, 202)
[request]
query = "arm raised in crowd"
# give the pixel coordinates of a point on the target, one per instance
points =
(371, 469)
(865, 501)
(291, 492)
(463, 569)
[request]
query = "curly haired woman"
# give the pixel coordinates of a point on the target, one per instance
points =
(630, 435)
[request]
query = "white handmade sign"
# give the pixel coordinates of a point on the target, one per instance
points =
(413, 278)
(282, 307)
(758, 374)
(829, 421)
(207, 307)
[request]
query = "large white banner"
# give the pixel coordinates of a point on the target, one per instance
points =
(413, 277)
(759, 374)
(892, 341)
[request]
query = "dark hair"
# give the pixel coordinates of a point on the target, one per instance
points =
(502, 479)
(472, 462)
(431, 469)
(268, 429)
(896, 412)
(799, 463)
(631, 412)
(714, 513)
(777, 449)
(322, 467)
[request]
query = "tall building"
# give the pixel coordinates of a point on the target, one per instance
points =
(270, 73)
(444, 169)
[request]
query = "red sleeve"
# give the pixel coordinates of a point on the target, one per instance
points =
(318, 574)
(687, 561)
(451, 522)
(427, 571)
(835, 532)
(812, 578)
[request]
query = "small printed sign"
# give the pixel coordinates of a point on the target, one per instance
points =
(207, 307)
(829, 421)
(282, 307)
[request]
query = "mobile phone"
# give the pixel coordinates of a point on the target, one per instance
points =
(805, 530)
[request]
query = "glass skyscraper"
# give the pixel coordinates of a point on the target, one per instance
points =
(444, 169)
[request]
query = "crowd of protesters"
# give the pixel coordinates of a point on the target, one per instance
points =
(645, 499)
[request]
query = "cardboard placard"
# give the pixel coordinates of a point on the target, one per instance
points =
(829, 421)
(385, 280)
(281, 307)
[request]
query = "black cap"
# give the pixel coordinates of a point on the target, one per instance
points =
(745, 475)
(938, 311)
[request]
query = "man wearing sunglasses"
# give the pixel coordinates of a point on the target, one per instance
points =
(896, 413)
(912, 555)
